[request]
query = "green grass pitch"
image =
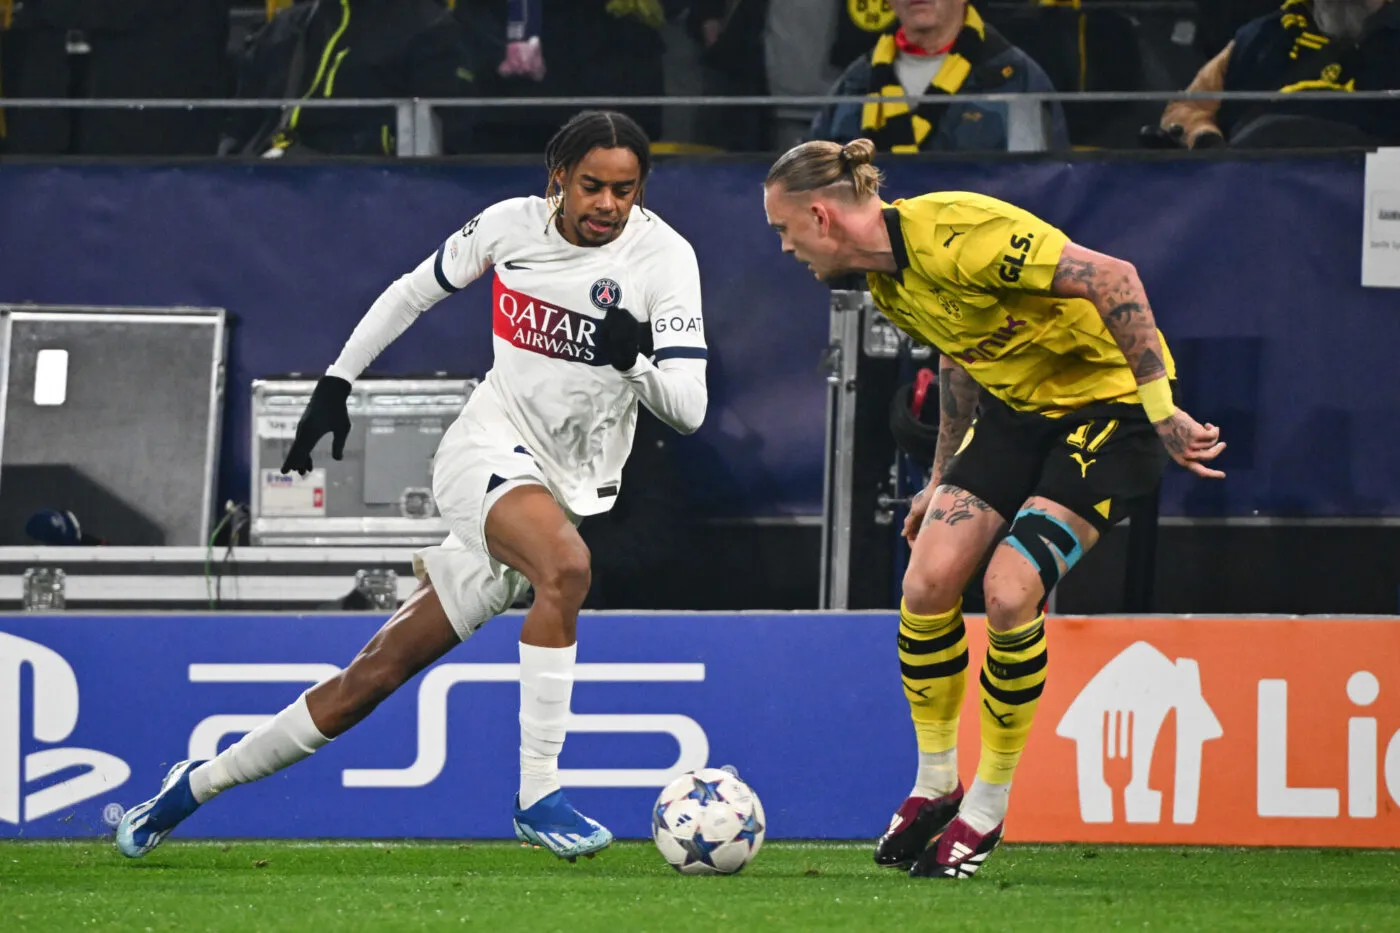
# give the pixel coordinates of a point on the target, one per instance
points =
(342, 887)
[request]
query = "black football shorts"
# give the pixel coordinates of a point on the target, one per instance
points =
(1094, 461)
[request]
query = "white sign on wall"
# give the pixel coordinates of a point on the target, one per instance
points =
(1380, 242)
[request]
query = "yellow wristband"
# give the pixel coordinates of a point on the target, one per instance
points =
(1157, 399)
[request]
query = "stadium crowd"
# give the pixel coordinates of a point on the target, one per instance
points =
(472, 49)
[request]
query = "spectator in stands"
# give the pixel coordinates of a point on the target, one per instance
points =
(857, 28)
(806, 44)
(731, 36)
(1337, 46)
(91, 49)
(351, 49)
(1217, 21)
(571, 48)
(940, 47)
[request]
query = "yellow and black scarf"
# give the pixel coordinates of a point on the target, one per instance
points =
(1316, 63)
(890, 124)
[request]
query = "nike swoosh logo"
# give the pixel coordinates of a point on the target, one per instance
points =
(513, 265)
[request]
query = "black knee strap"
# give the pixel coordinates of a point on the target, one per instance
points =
(1034, 533)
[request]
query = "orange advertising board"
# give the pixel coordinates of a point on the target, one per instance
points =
(1235, 731)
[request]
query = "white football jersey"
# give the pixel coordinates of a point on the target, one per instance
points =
(551, 385)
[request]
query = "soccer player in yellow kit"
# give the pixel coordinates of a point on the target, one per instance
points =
(1054, 348)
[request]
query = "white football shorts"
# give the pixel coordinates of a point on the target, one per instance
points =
(475, 466)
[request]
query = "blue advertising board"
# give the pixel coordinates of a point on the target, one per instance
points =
(94, 710)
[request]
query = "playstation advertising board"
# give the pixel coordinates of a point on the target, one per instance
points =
(1269, 731)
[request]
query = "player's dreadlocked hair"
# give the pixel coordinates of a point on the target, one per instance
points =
(595, 129)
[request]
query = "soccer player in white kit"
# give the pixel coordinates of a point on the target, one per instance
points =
(585, 281)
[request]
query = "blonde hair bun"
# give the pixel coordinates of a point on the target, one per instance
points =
(819, 165)
(858, 152)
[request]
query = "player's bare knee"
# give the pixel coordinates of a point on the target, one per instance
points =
(1013, 597)
(1006, 610)
(567, 576)
(929, 590)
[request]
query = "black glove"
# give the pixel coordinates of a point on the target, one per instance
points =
(1209, 139)
(326, 413)
(622, 337)
(1153, 136)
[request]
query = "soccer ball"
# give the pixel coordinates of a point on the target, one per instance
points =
(707, 822)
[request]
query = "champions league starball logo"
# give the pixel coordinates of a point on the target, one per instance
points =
(605, 294)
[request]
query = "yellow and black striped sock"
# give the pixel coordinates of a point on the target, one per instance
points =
(933, 665)
(1012, 678)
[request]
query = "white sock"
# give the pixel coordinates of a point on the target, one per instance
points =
(938, 774)
(985, 805)
(546, 685)
(284, 740)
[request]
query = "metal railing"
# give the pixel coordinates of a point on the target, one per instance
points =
(418, 134)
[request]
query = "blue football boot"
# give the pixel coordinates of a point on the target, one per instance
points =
(144, 826)
(552, 823)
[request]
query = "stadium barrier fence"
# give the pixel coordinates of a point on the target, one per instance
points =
(417, 130)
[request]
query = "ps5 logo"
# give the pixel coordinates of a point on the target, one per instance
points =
(54, 715)
(694, 745)
(431, 754)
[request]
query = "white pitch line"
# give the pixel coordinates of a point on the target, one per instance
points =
(13, 845)
(402, 843)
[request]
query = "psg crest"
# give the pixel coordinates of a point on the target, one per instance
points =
(605, 294)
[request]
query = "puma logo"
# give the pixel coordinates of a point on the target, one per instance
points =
(953, 236)
(1083, 464)
(1003, 719)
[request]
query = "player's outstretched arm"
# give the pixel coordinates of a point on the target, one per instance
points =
(957, 403)
(396, 308)
(460, 259)
(327, 413)
(1115, 289)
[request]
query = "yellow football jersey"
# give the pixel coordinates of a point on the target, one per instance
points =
(973, 280)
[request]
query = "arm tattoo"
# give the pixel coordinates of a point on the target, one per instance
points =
(947, 398)
(957, 403)
(1115, 289)
(1150, 366)
(964, 506)
(1123, 314)
(1177, 439)
(1071, 272)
